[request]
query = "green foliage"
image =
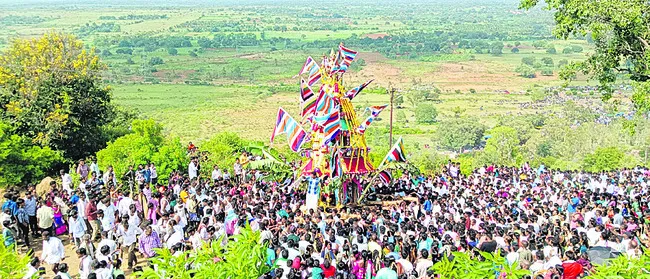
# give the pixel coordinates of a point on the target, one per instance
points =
(502, 147)
(172, 51)
(457, 134)
(528, 60)
(548, 61)
(14, 264)
(60, 102)
(242, 257)
(426, 113)
(21, 162)
(145, 144)
(619, 30)
(603, 159)
(156, 61)
(419, 94)
(223, 149)
(551, 50)
(547, 72)
(623, 267)
(464, 266)
(567, 50)
(526, 71)
(514, 50)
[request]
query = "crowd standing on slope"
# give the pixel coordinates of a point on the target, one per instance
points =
(543, 220)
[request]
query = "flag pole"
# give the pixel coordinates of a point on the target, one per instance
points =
(369, 184)
(390, 138)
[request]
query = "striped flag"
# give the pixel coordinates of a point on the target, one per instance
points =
(309, 64)
(335, 165)
(355, 91)
(374, 112)
(308, 108)
(312, 68)
(385, 177)
(305, 91)
(330, 124)
(325, 103)
(347, 56)
(286, 124)
(396, 154)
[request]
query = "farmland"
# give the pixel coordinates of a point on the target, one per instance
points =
(202, 68)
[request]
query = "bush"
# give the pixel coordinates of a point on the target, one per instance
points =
(156, 61)
(145, 144)
(577, 48)
(526, 71)
(514, 50)
(528, 61)
(14, 264)
(551, 50)
(548, 61)
(172, 51)
(426, 113)
(459, 133)
(547, 72)
(21, 162)
(567, 50)
(603, 159)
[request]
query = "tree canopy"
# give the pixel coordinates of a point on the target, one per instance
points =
(620, 33)
(51, 93)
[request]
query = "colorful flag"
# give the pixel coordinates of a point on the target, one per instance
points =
(355, 91)
(309, 64)
(325, 103)
(305, 91)
(347, 56)
(312, 68)
(330, 124)
(385, 177)
(374, 112)
(396, 154)
(335, 165)
(286, 124)
(308, 108)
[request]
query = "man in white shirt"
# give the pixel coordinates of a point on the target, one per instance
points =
(129, 240)
(85, 262)
(216, 173)
(193, 169)
(66, 181)
(53, 250)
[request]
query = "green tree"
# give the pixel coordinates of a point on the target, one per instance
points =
(457, 134)
(21, 162)
(619, 30)
(156, 61)
(547, 72)
(172, 51)
(502, 147)
(51, 92)
(551, 50)
(528, 60)
(496, 48)
(548, 61)
(526, 71)
(517, 44)
(514, 50)
(603, 159)
(426, 113)
(145, 144)
(562, 62)
(567, 50)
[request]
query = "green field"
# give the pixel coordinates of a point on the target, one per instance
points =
(230, 67)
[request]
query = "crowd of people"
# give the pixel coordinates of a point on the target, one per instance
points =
(543, 220)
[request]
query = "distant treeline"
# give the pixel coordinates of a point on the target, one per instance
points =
(409, 44)
(133, 17)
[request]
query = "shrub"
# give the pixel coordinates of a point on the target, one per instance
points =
(426, 113)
